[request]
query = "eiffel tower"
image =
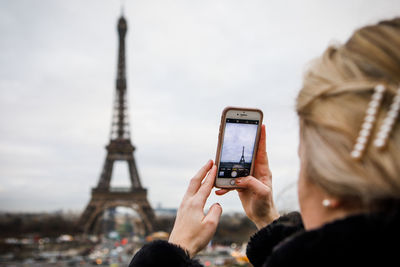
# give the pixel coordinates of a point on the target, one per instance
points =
(119, 148)
(242, 161)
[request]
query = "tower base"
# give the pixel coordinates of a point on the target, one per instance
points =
(102, 200)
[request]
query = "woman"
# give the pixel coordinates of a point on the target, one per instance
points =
(349, 181)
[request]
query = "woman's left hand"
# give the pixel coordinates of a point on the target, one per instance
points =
(192, 229)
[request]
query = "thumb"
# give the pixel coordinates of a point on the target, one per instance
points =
(221, 192)
(253, 184)
(213, 215)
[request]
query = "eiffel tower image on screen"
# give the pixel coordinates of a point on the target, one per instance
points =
(120, 148)
(242, 161)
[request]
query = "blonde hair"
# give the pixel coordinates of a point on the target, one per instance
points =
(331, 106)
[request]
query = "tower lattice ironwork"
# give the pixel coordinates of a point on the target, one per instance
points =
(120, 148)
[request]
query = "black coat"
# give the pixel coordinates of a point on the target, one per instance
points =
(360, 240)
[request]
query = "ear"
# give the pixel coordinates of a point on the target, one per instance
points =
(335, 202)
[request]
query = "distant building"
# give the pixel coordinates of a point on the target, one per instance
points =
(165, 212)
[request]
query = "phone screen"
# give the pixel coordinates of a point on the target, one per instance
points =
(237, 148)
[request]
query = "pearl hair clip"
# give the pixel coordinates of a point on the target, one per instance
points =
(368, 123)
(388, 122)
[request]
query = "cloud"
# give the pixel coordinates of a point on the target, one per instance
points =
(238, 137)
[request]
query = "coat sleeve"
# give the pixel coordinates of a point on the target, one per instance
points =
(162, 253)
(262, 243)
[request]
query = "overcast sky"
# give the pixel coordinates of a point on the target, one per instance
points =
(186, 61)
(237, 136)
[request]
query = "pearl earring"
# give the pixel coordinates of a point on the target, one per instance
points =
(326, 203)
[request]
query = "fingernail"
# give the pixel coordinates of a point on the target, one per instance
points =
(238, 180)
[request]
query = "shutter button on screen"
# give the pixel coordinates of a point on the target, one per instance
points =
(233, 182)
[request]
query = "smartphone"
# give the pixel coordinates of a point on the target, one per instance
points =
(239, 133)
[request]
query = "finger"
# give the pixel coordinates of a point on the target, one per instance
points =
(261, 167)
(221, 192)
(195, 182)
(261, 156)
(207, 185)
(253, 184)
(213, 215)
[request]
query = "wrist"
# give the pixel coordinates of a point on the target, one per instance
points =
(263, 222)
(183, 245)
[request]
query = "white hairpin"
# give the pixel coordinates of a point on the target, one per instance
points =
(388, 122)
(368, 123)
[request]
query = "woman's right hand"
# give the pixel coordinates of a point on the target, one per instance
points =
(256, 192)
